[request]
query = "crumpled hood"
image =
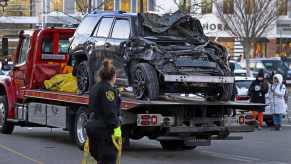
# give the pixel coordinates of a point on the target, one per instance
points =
(163, 23)
(279, 77)
(176, 24)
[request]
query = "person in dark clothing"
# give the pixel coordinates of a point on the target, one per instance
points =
(257, 92)
(234, 89)
(104, 124)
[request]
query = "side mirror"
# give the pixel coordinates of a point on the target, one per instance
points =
(5, 46)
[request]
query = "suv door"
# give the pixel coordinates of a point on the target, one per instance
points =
(95, 46)
(120, 33)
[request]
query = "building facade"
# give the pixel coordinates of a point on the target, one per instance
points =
(25, 14)
(275, 42)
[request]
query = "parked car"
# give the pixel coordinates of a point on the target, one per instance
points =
(242, 85)
(6, 67)
(287, 62)
(270, 66)
(235, 65)
(153, 54)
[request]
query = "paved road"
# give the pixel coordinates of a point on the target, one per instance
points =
(29, 146)
(43, 146)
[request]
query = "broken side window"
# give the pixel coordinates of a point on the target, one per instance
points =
(121, 29)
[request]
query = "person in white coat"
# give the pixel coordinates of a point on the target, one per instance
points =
(277, 93)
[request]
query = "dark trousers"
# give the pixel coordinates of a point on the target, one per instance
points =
(108, 160)
(101, 146)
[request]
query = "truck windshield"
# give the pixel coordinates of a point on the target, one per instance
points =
(23, 50)
(64, 44)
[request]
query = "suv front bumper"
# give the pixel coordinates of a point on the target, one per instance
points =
(199, 79)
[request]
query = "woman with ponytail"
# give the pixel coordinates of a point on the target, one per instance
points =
(104, 124)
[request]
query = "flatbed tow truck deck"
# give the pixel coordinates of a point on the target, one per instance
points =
(129, 102)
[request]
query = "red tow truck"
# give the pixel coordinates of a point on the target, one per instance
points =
(178, 122)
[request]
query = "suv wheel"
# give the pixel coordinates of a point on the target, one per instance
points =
(5, 126)
(82, 74)
(219, 93)
(145, 81)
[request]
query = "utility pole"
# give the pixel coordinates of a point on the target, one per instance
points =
(89, 6)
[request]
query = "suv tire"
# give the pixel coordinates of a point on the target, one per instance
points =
(145, 81)
(82, 74)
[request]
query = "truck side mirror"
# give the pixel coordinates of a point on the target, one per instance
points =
(5, 46)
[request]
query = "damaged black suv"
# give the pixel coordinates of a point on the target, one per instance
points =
(153, 54)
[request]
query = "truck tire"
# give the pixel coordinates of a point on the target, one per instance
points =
(82, 74)
(175, 145)
(81, 119)
(145, 81)
(5, 126)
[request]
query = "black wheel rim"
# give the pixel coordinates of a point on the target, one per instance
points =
(139, 84)
(82, 78)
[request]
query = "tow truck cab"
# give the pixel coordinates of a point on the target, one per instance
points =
(40, 54)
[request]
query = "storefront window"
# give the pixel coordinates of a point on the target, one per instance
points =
(81, 6)
(228, 43)
(282, 7)
(152, 4)
(134, 5)
(125, 5)
(260, 49)
(206, 6)
(57, 5)
(283, 47)
(109, 5)
(145, 5)
(17, 8)
(228, 6)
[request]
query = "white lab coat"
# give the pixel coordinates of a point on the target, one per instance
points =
(276, 97)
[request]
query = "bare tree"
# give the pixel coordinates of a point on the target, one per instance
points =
(248, 20)
(84, 7)
(193, 7)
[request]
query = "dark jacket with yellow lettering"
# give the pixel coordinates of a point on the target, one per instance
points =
(105, 102)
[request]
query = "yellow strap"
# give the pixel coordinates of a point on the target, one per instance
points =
(118, 145)
(87, 159)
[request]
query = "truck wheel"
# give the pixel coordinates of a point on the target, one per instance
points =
(5, 126)
(145, 82)
(175, 145)
(80, 122)
(82, 74)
